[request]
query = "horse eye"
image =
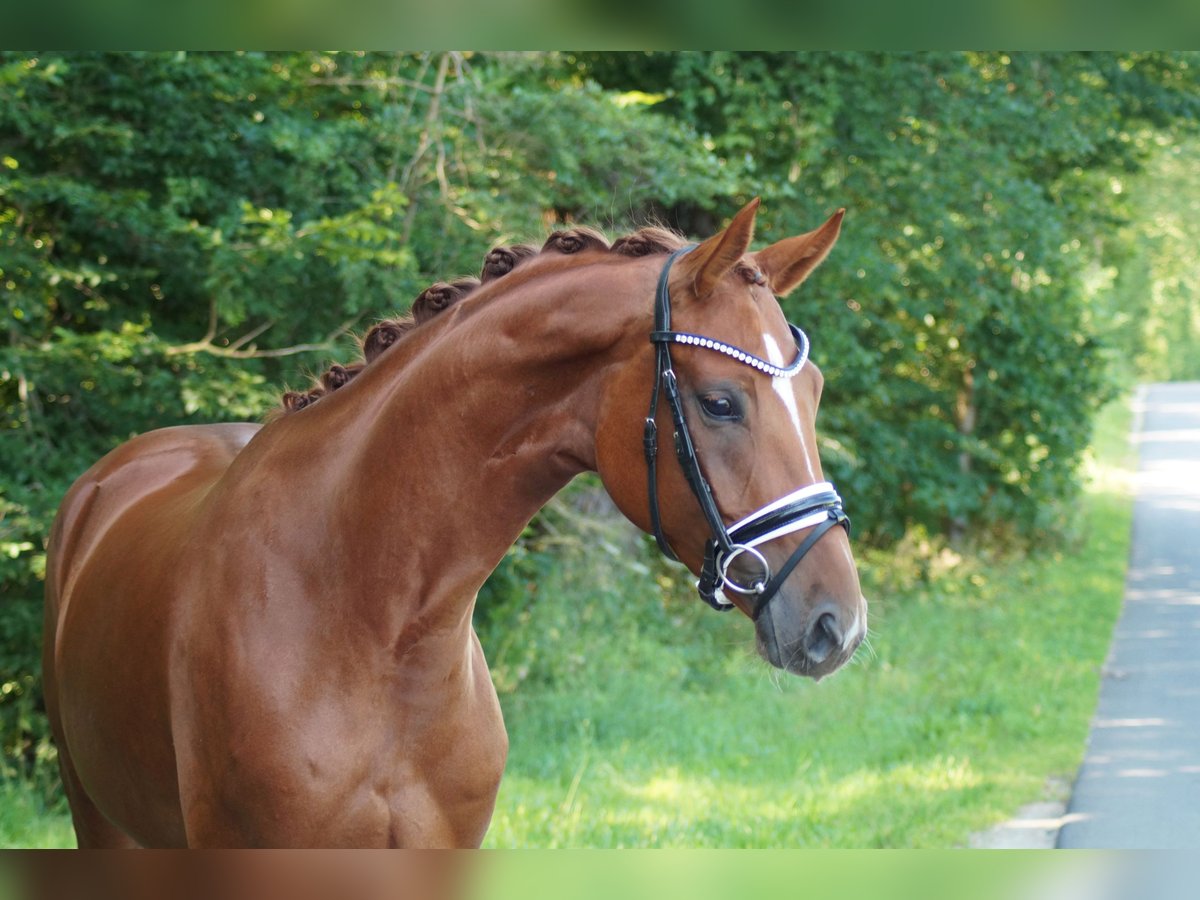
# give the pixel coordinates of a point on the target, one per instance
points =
(719, 406)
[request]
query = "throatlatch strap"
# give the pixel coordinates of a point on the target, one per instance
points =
(650, 445)
(662, 369)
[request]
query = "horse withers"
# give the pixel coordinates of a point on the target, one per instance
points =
(261, 635)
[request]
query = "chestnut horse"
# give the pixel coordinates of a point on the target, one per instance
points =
(261, 635)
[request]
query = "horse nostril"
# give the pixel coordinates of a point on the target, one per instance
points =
(823, 637)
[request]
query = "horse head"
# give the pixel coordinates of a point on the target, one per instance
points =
(735, 488)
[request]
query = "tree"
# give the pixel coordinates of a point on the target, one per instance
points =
(1148, 277)
(953, 319)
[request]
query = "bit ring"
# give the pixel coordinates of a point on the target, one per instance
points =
(758, 586)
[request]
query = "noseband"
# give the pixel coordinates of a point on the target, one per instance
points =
(817, 506)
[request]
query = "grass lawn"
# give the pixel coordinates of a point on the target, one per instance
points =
(25, 820)
(663, 729)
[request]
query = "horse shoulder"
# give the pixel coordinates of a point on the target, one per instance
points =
(175, 459)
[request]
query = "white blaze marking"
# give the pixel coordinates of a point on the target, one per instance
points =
(783, 387)
(856, 631)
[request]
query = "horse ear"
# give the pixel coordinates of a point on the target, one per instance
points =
(705, 265)
(788, 262)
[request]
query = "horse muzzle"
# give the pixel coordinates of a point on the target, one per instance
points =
(813, 641)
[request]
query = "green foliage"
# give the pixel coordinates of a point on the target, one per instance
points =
(952, 321)
(1149, 311)
(540, 630)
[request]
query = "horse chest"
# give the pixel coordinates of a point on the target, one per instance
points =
(363, 760)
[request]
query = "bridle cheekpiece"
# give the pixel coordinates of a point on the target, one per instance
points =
(816, 506)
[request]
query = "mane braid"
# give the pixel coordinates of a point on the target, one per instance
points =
(383, 334)
(440, 296)
(502, 260)
(648, 241)
(573, 240)
(340, 376)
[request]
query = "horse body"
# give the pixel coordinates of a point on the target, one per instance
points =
(262, 636)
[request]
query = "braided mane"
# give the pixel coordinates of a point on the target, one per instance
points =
(442, 295)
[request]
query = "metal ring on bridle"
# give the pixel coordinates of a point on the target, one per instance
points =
(759, 586)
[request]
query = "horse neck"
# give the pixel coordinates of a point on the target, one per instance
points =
(447, 450)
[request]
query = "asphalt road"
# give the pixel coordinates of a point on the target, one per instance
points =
(1139, 786)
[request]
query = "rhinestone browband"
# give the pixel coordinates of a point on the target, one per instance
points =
(696, 340)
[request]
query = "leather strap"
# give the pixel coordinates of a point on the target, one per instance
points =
(662, 369)
(776, 582)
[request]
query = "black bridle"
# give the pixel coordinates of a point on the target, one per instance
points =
(817, 506)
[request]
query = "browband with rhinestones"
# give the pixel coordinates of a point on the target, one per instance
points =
(696, 340)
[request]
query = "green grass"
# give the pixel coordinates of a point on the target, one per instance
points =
(639, 722)
(27, 821)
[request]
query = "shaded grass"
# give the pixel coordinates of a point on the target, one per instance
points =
(639, 722)
(26, 820)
